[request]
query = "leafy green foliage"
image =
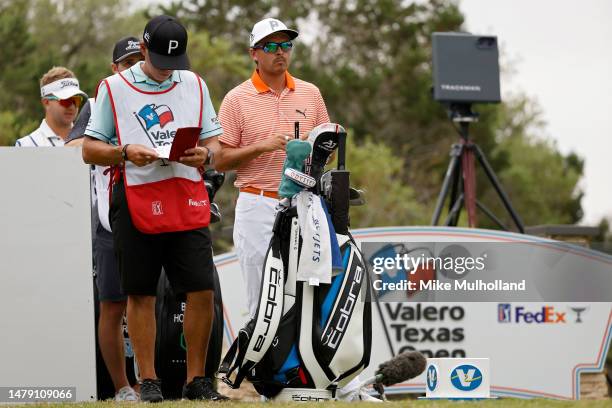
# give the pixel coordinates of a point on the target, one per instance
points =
(46, 33)
(375, 169)
(371, 60)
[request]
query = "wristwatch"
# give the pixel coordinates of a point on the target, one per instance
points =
(124, 156)
(210, 157)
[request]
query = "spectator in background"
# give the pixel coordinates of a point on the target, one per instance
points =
(112, 301)
(61, 99)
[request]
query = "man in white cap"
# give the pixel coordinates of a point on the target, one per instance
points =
(258, 118)
(61, 98)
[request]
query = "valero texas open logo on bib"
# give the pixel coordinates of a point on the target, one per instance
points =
(156, 115)
(150, 116)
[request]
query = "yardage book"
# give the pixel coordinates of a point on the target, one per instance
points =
(185, 138)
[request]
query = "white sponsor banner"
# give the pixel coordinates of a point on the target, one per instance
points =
(533, 352)
(46, 291)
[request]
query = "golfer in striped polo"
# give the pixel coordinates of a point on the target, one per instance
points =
(258, 118)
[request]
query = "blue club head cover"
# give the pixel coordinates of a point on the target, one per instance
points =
(297, 152)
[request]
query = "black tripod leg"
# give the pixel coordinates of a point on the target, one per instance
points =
(457, 194)
(500, 192)
(492, 216)
(453, 214)
(450, 176)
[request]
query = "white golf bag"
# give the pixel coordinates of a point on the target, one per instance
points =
(307, 336)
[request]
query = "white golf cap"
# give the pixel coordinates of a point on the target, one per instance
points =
(63, 89)
(268, 26)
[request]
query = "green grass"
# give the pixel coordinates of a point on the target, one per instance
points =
(407, 403)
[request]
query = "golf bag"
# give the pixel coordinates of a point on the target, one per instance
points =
(307, 336)
(170, 345)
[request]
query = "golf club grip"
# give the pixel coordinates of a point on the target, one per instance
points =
(340, 200)
(341, 151)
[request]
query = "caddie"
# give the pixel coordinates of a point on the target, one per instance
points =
(159, 210)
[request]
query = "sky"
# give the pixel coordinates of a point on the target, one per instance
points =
(560, 52)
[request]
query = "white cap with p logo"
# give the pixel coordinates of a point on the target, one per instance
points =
(268, 26)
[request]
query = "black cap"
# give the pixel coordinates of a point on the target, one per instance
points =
(166, 41)
(125, 47)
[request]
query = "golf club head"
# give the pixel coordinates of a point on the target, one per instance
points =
(213, 181)
(356, 197)
(325, 185)
(215, 213)
(324, 141)
(300, 178)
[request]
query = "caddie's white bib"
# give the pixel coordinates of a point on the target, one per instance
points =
(101, 184)
(163, 196)
(102, 181)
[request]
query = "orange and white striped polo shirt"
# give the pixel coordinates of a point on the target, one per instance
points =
(252, 112)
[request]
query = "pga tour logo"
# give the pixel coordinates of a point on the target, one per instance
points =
(156, 208)
(466, 377)
(432, 377)
(503, 313)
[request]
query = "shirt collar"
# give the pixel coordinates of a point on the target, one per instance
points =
(45, 134)
(140, 76)
(261, 86)
(46, 130)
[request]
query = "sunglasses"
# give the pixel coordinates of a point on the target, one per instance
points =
(272, 47)
(66, 103)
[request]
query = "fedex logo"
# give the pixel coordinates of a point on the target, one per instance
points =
(547, 314)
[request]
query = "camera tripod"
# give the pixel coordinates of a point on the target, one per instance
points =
(460, 178)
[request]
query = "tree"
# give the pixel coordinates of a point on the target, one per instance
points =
(19, 67)
(45, 33)
(375, 169)
(541, 182)
(371, 61)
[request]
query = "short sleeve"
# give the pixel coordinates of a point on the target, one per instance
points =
(322, 116)
(229, 116)
(101, 124)
(210, 123)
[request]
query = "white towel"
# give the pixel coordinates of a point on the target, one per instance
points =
(315, 264)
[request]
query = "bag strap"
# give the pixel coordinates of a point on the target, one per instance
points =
(234, 357)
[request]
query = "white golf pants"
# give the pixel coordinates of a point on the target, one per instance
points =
(253, 224)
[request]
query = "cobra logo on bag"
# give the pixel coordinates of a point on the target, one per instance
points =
(333, 338)
(271, 304)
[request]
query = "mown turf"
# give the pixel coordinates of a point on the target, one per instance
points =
(407, 403)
